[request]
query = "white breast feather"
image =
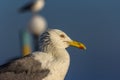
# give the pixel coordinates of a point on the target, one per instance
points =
(58, 67)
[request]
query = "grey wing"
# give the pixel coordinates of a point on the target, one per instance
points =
(27, 7)
(23, 69)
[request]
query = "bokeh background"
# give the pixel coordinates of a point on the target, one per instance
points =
(93, 22)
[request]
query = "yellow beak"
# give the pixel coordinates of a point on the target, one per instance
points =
(77, 44)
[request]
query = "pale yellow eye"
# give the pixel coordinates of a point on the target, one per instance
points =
(62, 36)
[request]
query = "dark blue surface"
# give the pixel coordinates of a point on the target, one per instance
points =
(94, 22)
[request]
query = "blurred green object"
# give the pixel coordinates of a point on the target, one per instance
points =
(26, 43)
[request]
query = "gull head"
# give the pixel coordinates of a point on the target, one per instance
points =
(58, 39)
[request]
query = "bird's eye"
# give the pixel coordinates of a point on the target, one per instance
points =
(62, 36)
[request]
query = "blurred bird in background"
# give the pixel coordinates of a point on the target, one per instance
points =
(30, 37)
(36, 26)
(34, 6)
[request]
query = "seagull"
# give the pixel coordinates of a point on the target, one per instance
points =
(51, 62)
(33, 6)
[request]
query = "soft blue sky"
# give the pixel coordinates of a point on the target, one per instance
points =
(94, 22)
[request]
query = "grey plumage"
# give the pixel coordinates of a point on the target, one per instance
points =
(27, 7)
(44, 39)
(26, 68)
(23, 69)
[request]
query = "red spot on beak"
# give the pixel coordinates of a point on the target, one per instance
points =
(81, 47)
